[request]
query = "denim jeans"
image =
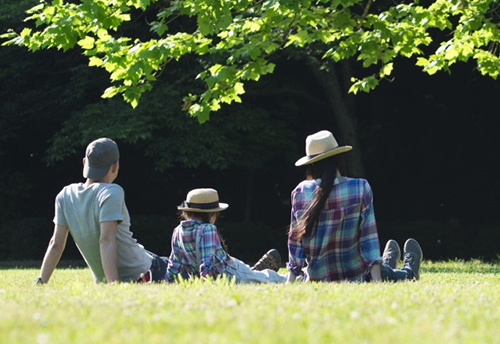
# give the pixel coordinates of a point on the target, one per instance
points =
(158, 267)
(243, 274)
(393, 275)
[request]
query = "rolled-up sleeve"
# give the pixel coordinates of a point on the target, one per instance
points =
(296, 253)
(210, 244)
(174, 264)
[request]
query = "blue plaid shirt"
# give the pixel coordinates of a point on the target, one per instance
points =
(345, 245)
(196, 251)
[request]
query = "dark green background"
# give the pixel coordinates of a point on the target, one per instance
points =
(429, 145)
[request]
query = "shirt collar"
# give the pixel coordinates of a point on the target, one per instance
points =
(338, 180)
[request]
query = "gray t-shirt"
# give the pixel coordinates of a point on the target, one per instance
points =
(82, 209)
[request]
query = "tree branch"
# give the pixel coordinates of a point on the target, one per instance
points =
(365, 13)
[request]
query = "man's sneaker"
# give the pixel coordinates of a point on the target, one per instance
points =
(271, 260)
(146, 277)
(413, 257)
(392, 254)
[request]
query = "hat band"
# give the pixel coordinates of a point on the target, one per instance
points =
(330, 150)
(314, 155)
(212, 205)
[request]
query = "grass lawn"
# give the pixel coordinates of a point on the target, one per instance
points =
(454, 302)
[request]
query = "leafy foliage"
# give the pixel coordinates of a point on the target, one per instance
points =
(246, 137)
(241, 36)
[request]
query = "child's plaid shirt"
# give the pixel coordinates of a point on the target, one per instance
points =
(196, 251)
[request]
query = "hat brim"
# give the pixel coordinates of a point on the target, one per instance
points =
(309, 159)
(95, 172)
(222, 206)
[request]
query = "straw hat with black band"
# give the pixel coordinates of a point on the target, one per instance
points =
(203, 201)
(319, 146)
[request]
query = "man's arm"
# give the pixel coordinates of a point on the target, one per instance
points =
(54, 251)
(107, 243)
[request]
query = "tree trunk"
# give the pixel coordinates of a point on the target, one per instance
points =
(335, 86)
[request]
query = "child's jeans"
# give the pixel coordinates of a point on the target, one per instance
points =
(243, 274)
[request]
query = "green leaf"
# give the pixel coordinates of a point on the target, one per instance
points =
(110, 92)
(26, 32)
(239, 88)
(87, 43)
(95, 61)
(103, 35)
(215, 69)
(366, 84)
(422, 62)
(386, 70)
(451, 53)
(300, 39)
(251, 26)
(36, 8)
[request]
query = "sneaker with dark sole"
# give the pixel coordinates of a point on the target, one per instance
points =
(392, 254)
(271, 260)
(413, 257)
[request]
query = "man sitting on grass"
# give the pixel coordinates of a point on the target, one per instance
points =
(95, 214)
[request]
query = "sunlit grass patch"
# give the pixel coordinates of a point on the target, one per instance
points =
(454, 302)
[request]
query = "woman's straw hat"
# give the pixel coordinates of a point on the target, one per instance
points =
(203, 201)
(319, 146)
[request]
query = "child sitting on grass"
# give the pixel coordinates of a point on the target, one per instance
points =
(197, 250)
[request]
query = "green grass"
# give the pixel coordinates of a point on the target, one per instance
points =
(454, 302)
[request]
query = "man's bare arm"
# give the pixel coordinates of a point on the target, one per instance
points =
(54, 252)
(107, 243)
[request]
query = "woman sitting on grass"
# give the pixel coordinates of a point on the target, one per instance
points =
(333, 234)
(197, 249)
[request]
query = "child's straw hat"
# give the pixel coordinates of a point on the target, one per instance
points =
(203, 201)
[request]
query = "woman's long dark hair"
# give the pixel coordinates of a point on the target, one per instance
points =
(326, 170)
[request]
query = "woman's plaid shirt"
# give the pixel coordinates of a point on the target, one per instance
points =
(345, 245)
